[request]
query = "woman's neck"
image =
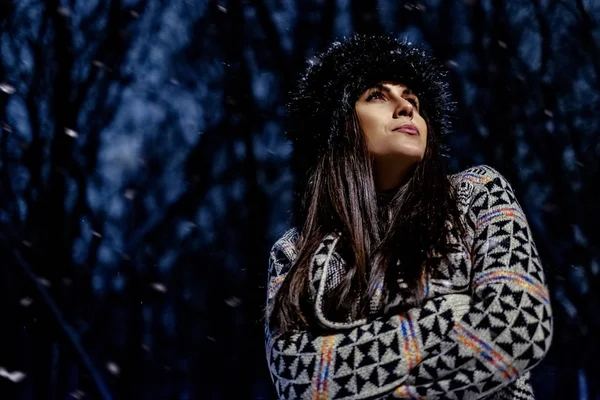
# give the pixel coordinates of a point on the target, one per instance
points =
(385, 196)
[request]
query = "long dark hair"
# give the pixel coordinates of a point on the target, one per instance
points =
(407, 235)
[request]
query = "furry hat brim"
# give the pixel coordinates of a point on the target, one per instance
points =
(335, 79)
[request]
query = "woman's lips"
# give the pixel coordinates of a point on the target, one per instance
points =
(407, 128)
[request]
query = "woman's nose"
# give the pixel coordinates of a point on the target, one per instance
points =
(405, 108)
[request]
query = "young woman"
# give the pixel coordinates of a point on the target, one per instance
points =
(400, 281)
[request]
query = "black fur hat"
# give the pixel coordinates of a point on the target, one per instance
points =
(335, 79)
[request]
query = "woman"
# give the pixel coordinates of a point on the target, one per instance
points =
(400, 281)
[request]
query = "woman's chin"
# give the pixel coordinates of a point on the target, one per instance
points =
(409, 154)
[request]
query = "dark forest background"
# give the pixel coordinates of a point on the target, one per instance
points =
(144, 177)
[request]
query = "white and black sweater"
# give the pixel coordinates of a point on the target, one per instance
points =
(485, 323)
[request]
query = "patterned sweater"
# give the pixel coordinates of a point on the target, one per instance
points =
(485, 323)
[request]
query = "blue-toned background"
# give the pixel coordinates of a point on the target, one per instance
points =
(144, 177)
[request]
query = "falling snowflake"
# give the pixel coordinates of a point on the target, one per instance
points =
(26, 301)
(71, 133)
(595, 267)
(98, 64)
(129, 194)
(6, 88)
(15, 376)
(233, 301)
(45, 282)
(222, 9)
(159, 287)
(97, 234)
(64, 11)
(113, 368)
(78, 394)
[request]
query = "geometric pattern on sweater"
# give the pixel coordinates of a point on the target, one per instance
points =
(520, 390)
(485, 323)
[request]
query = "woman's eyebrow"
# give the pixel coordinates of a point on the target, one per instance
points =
(381, 87)
(386, 88)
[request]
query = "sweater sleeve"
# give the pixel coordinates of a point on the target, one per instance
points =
(368, 361)
(508, 329)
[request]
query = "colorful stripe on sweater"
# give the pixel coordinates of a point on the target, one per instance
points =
(411, 346)
(500, 213)
(408, 393)
(486, 351)
(476, 178)
(323, 371)
(523, 280)
(274, 285)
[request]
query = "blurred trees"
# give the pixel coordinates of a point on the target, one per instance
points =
(144, 176)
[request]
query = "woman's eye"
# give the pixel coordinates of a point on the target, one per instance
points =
(373, 95)
(414, 102)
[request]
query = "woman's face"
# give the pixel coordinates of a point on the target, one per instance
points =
(396, 132)
(390, 119)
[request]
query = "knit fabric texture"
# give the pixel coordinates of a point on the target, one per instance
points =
(485, 323)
